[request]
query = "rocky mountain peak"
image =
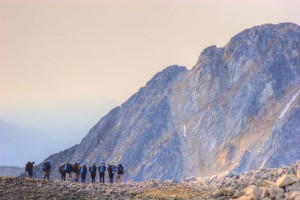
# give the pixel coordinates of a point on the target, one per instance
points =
(237, 109)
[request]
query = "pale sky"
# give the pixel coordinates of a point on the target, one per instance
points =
(67, 63)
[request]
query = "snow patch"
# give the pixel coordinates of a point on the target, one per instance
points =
(184, 131)
(288, 105)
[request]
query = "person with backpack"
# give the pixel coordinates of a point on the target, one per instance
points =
(62, 171)
(101, 170)
(46, 167)
(93, 170)
(29, 168)
(76, 170)
(68, 169)
(111, 171)
(83, 171)
(120, 171)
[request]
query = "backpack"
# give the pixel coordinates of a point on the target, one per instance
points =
(83, 170)
(71, 168)
(75, 169)
(46, 166)
(92, 169)
(66, 167)
(111, 169)
(101, 168)
(120, 169)
(62, 169)
(27, 168)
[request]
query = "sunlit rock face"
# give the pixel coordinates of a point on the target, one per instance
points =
(236, 109)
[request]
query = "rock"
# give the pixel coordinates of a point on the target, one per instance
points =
(293, 187)
(293, 195)
(191, 179)
(287, 179)
(276, 193)
(242, 198)
(298, 169)
(221, 192)
(264, 192)
(267, 183)
(265, 176)
(252, 192)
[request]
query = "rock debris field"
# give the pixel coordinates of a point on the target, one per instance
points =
(266, 184)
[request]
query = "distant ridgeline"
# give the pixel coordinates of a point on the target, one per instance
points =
(237, 109)
(11, 171)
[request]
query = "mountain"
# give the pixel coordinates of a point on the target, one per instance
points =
(237, 109)
(10, 171)
(20, 145)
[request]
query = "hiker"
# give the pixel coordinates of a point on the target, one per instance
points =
(101, 170)
(68, 170)
(93, 170)
(76, 170)
(62, 171)
(111, 171)
(29, 168)
(46, 167)
(83, 171)
(120, 171)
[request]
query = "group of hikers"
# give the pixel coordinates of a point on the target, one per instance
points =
(80, 170)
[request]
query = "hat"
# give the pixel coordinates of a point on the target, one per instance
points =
(78, 163)
(33, 162)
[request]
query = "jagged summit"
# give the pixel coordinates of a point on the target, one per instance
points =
(237, 109)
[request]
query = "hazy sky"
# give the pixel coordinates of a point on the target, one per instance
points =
(64, 64)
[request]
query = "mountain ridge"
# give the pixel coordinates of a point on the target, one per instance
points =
(220, 115)
(18, 144)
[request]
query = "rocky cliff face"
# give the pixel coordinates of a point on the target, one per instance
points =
(236, 109)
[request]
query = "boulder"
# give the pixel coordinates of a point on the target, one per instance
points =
(221, 192)
(293, 188)
(267, 183)
(243, 198)
(293, 196)
(252, 192)
(298, 169)
(264, 192)
(286, 179)
(276, 193)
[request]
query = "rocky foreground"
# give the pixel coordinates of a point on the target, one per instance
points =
(276, 183)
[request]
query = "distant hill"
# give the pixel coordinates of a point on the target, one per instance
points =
(11, 171)
(19, 145)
